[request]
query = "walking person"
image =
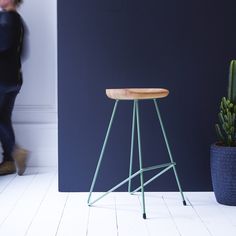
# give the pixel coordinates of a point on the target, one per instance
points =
(11, 41)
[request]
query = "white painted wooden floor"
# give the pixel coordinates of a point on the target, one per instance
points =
(31, 205)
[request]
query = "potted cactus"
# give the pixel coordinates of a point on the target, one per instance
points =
(223, 152)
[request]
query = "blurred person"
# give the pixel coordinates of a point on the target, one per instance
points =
(11, 42)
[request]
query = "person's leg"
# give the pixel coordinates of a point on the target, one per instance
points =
(7, 135)
(12, 154)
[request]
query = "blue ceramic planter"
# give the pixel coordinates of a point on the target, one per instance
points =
(223, 173)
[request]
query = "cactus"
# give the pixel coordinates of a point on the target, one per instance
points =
(226, 130)
(232, 82)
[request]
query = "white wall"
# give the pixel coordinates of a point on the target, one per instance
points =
(35, 114)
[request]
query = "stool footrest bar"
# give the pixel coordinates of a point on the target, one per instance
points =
(158, 166)
(116, 187)
(169, 165)
(154, 177)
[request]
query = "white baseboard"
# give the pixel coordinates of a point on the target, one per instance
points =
(43, 157)
(42, 142)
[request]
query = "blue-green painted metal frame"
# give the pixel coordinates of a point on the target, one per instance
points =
(140, 157)
(132, 147)
(168, 149)
(166, 166)
(102, 152)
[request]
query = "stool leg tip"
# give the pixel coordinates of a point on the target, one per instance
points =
(144, 216)
(184, 202)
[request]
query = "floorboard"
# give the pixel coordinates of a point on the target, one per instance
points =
(48, 217)
(185, 217)
(26, 206)
(12, 195)
(30, 205)
(159, 218)
(211, 214)
(102, 217)
(129, 216)
(74, 221)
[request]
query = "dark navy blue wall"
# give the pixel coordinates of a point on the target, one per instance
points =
(185, 46)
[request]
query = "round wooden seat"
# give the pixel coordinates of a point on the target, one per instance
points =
(136, 93)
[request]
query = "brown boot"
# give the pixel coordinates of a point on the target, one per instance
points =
(7, 167)
(20, 156)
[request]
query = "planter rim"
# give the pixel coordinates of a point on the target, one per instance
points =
(214, 145)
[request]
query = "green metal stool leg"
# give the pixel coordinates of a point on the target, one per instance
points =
(102, 152)
(131, 148)
(169, 152)
(140, 159)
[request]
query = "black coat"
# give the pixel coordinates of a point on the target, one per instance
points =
(11, 39)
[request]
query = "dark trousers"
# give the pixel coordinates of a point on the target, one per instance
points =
(7, 137)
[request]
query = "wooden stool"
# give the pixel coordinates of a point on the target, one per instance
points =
(136, 94)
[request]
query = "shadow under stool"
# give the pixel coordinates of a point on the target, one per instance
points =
(136, 94)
